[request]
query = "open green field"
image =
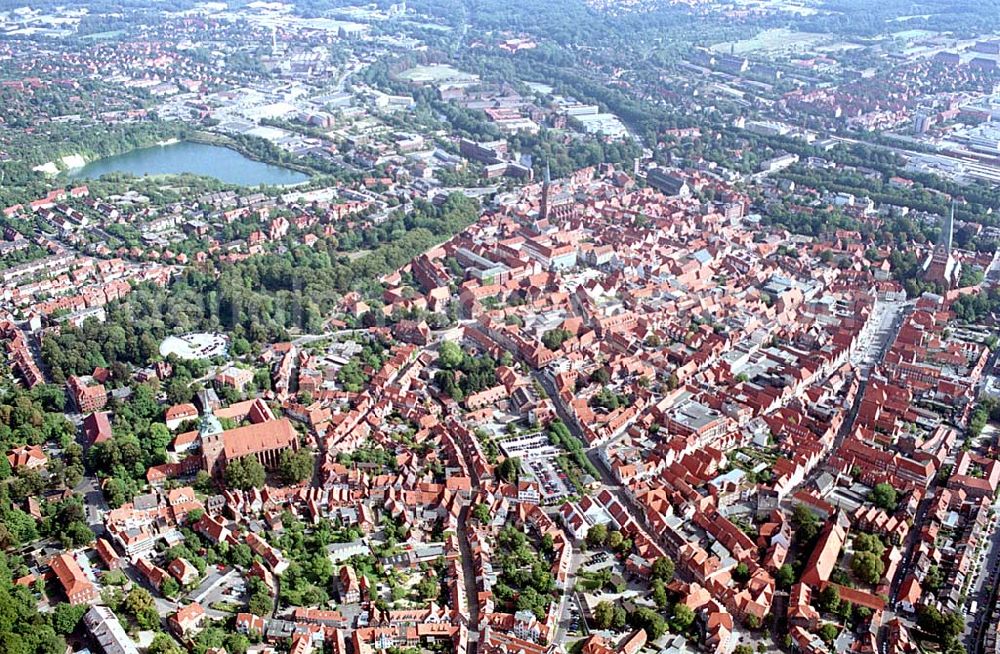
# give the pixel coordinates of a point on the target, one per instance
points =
(436, 74)
(103, 36)
(774, 41)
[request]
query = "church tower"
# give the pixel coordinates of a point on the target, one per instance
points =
(947, 233)
(213, 447)
(941, 266)
(543, 210)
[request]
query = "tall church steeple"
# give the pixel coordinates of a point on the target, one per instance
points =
(947, 232)
(543, 210)
(941, 265)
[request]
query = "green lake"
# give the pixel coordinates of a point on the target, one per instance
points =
(216, 161)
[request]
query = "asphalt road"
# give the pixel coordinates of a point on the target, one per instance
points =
(93, 503)
(469, 574)
(465, 551)
(883, 343)
(608, 481)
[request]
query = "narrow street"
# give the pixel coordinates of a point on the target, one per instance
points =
(987, 585)
(469, 573)
(465, 551)
(986, 596)
(874, 350)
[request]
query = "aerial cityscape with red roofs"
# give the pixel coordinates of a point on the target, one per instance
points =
(481, 327)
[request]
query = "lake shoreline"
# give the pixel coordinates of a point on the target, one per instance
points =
(209, 138)
(198, 156)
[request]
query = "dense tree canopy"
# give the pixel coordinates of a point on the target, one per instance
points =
(260, 299)
(296, 467)
(884, 496)
(245, 473)
(867, 567)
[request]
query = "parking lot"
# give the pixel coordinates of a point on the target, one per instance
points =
(220, 588)
(598, 561)
(552, 481)
(539, 462)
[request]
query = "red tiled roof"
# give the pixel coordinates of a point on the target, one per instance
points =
(97, 427)
(260, 437)
(70, 575)
(26, 455)
(180, 411)
(825, 556)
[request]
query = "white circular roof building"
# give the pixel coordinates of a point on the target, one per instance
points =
(195, 346)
